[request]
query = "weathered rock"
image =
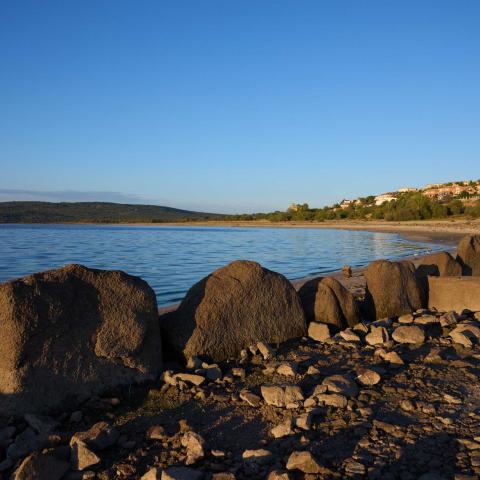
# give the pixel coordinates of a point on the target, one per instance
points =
(392, 289)
(393, 358)
(439, 264)
(332, 399)
(409, 334)
(367, 376)
(454, 293)
(288, 369)
(281, 396)
(326, 300)
(468, 254)
(318, 331)
(305, 462)
(266, 350)
(250, 398)
(278, 475)
(192, 378)
(81, 456)
(234, 307)
(71, 333)
(194, 444)
(349, 335)
(377, 336)
(466, 334)
(154, 473)
(41, 466)
(283, 429)
(257, 456)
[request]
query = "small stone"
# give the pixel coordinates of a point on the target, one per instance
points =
(353, 467)
(266, 351)
(451, 399)
(283, 429)
(303, 421)
(156, 432)
(448, 319)
(377, 336)
(367, 376)
(194, 444)
(258, 456)
(427, 320)
(238, 372)
(305, 462)
(250, 398)
(318, 331)
(407, 405)
(312, 370)
(211, 372)
(278, 475)
(81, 456)
(192, 378)
(349, 335)
(360, 328)
(273, 395)
(332, 399)
(154, 473)
(405, 319)
(393, 358)
(287, 369)
(409, 334)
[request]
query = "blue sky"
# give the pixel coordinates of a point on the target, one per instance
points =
(236, 106)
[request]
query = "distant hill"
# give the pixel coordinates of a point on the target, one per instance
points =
(95, 212)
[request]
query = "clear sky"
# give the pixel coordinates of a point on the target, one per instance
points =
(236, 106)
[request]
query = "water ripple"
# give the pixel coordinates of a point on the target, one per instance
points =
(171, 259)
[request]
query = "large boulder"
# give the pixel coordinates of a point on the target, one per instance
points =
(392, 289)
(439, 264)
(468, 254)
(234, 307)
(326, 300)
(71, 333)
(454, 293)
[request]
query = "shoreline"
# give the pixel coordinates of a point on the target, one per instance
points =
(446, 232)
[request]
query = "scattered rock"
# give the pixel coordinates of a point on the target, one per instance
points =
(250, 398)
(287, 369)
(367, 376)
(305, 462)
(408, 334)
(377, 336)
(81, 456)
(194, 444)
(283, 429)
(318, 331)
(257, 456)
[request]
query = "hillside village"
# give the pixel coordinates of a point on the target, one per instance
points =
(466, 191)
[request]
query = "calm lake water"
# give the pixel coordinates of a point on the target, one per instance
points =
(172, 259)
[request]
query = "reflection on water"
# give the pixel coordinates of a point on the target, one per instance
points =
(171, 259)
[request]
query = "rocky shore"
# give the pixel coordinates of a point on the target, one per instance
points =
(250, 378)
